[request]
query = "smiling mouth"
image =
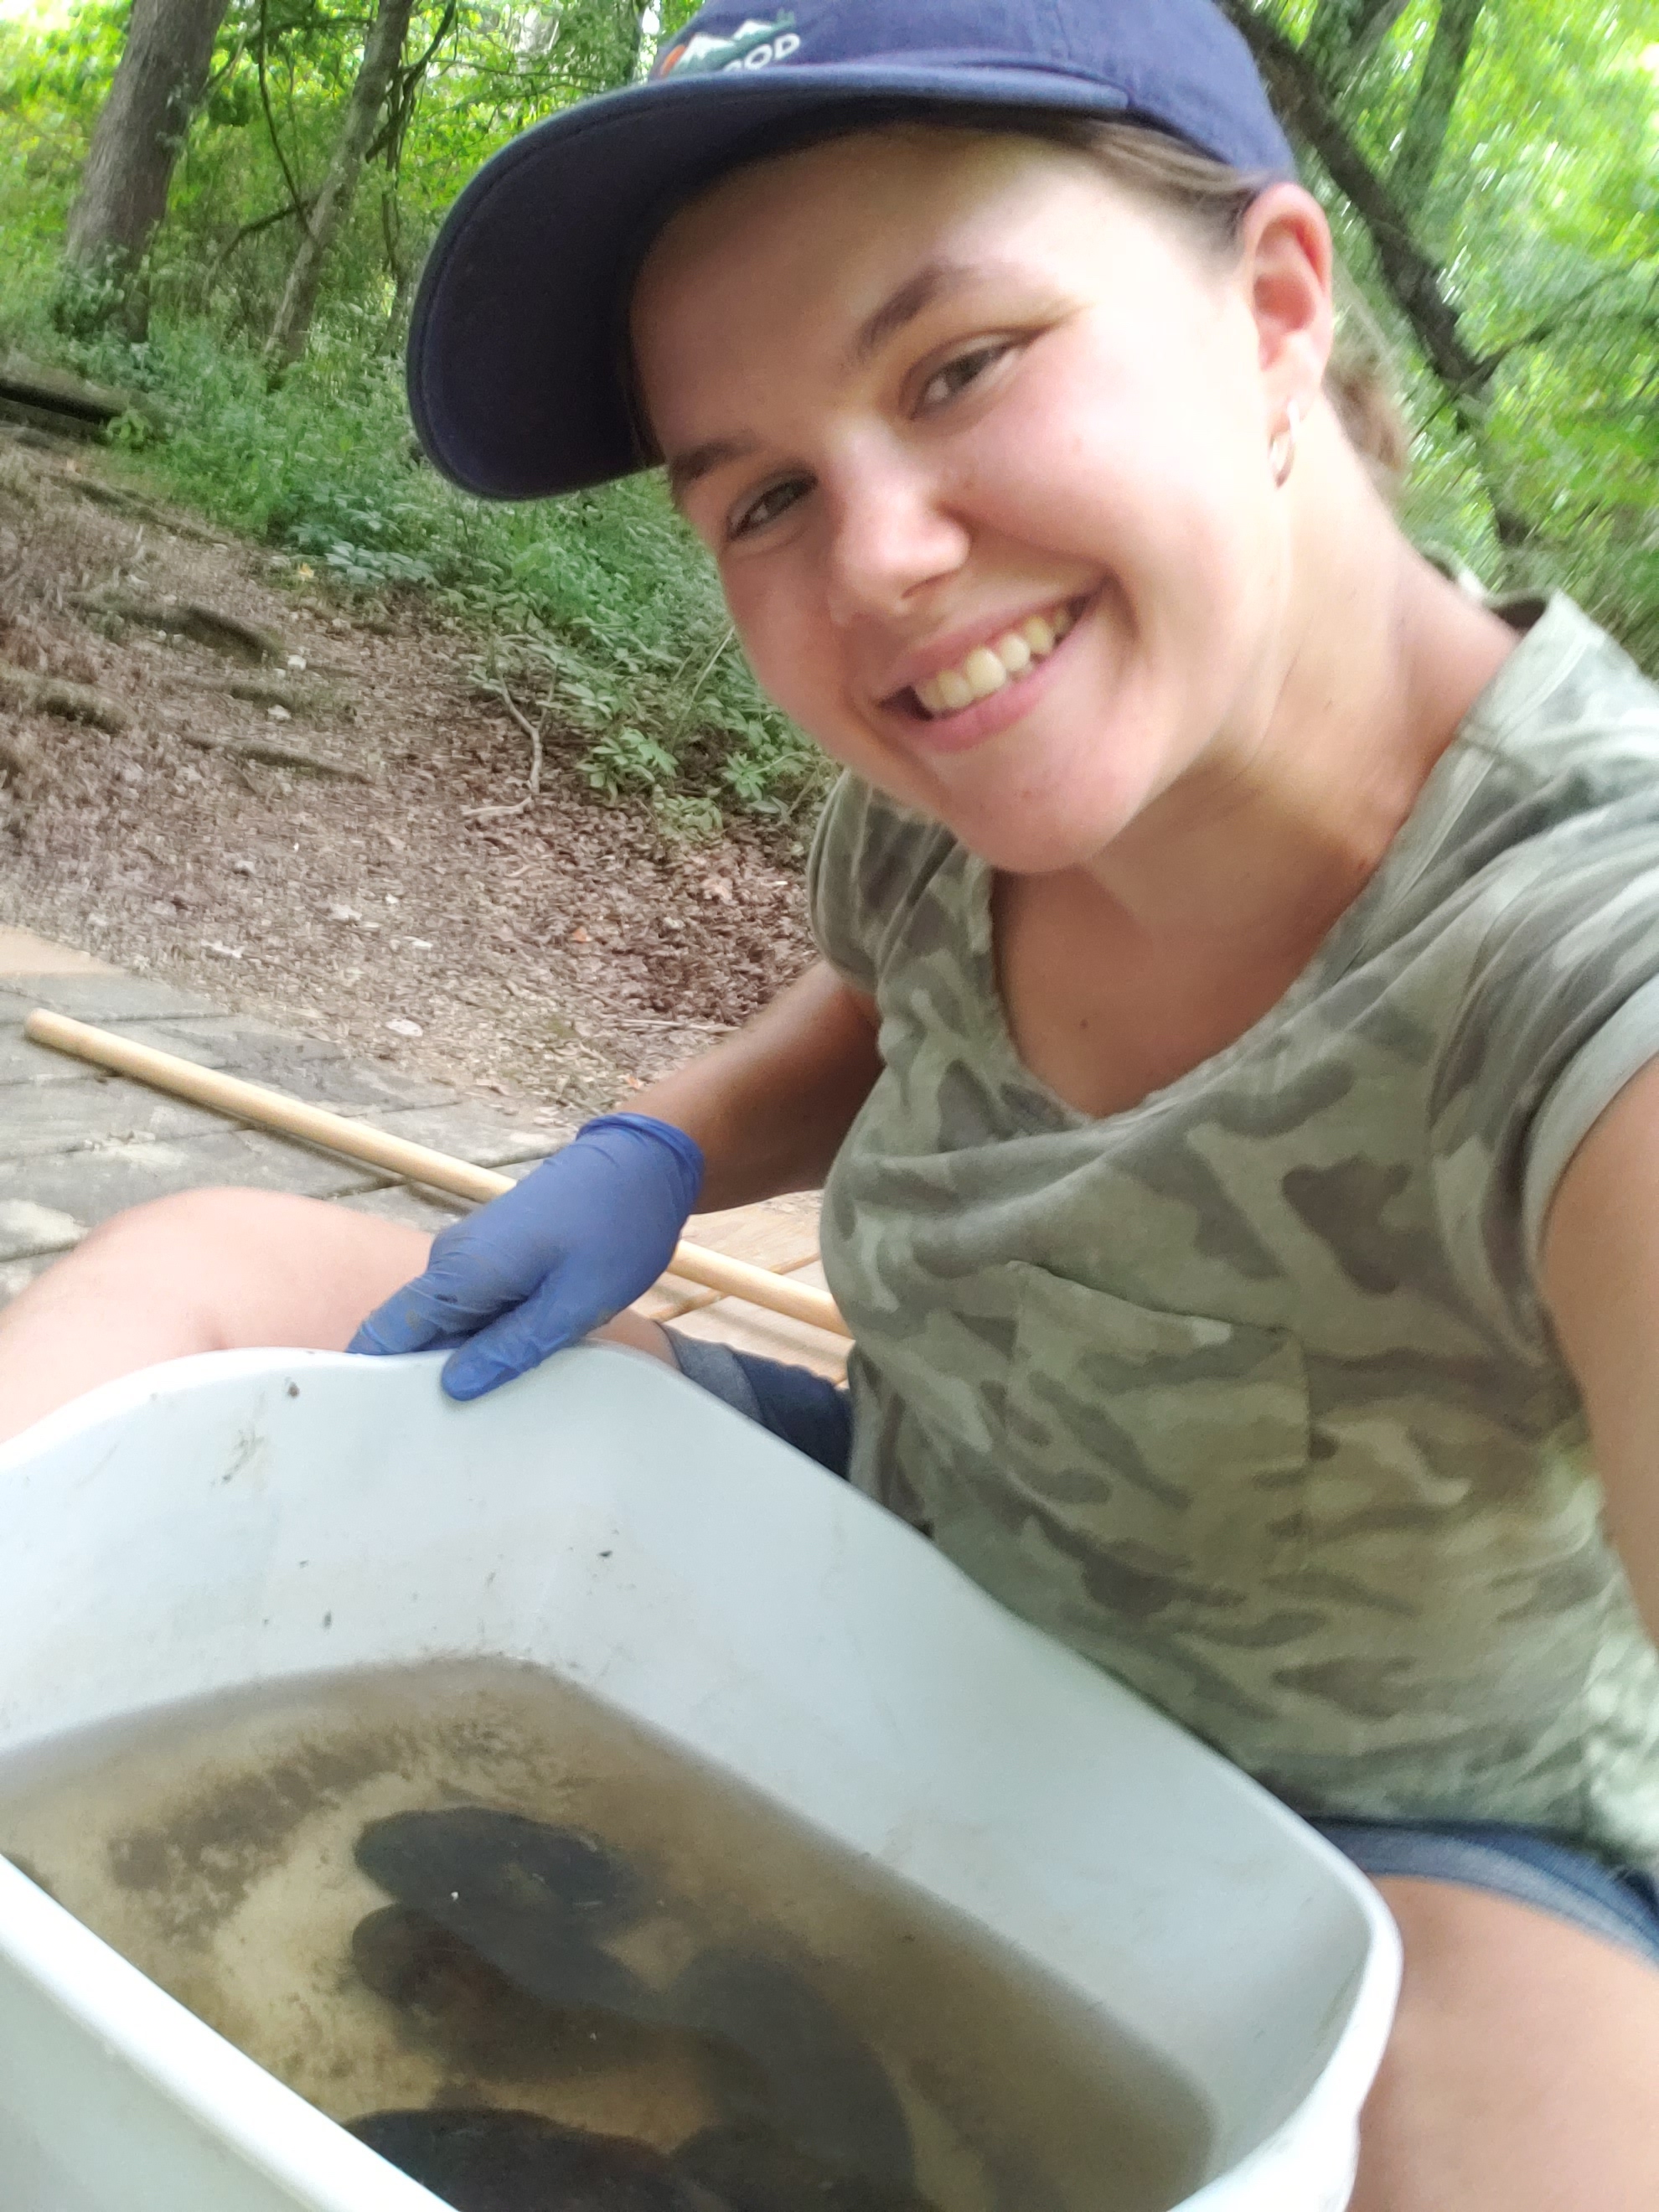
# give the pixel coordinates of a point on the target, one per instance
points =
(992, 666)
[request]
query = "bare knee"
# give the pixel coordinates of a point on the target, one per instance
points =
(201, 1222)
(203, 1271)
(208, 1270)
(203, 1256)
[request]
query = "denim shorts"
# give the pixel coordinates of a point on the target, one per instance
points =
(1619, 1903)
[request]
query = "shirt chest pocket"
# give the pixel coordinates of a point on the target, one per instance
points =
(1166, 1453)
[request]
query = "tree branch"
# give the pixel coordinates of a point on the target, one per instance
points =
(261, 47)
(1558, 318)
(292, 214)
(1417, 283)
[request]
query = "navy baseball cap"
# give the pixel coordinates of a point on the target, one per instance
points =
(517, 378)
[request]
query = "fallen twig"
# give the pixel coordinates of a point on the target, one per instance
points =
(74, 703)
(532, 731)
(494, 813)
(655, 1022)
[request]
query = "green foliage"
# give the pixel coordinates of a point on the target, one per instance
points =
(53, 77)
(474, 74)
(602, 607)
(1540, 213)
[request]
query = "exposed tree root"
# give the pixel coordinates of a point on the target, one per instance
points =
(222, 633)
(272, 754)
(74, 703)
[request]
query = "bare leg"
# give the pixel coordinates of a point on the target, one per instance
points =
(1522, 2071)
(208, 1271)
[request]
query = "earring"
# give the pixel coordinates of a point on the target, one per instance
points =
(1281, 450)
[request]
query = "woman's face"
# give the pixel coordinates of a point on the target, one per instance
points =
(981, 447)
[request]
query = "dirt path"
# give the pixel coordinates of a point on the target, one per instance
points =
(557, 955)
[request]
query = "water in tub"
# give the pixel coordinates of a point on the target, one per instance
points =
(542, 1959)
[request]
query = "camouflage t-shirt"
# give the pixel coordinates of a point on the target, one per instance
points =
(1247, 1393)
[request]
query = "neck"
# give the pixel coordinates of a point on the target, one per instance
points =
(1266, 841)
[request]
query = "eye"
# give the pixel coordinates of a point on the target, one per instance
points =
(777, 499)
(964, 368)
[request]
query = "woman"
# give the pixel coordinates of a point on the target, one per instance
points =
(1230, 1058)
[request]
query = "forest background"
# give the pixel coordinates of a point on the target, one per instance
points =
(1491, 166)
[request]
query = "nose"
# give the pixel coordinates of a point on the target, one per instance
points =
(890, 532)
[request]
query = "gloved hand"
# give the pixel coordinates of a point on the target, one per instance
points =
(551, 1260)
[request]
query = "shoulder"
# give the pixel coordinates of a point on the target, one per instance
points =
(1547, 927)
(1545, 809)
(872, 865)
(1569, 708)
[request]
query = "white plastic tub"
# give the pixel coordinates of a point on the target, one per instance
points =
(254, 1515)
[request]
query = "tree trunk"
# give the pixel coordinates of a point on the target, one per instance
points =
(1427, 126)
(647, 29)
(124, 185)
(1419, 285)
(382, 50)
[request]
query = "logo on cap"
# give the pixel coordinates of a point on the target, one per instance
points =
(752, 45)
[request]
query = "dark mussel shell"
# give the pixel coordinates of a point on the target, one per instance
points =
(825, 2090)
(517, 2005)
(480, 2159)
(471, 1857)
(750, 2167)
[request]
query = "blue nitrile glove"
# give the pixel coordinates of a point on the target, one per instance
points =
(551, 1260)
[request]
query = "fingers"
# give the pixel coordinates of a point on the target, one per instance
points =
(552, 1318)
(549, 1260)
(416, 1318)
(465, 1286)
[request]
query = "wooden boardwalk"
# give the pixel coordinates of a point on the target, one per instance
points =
(78, 1146)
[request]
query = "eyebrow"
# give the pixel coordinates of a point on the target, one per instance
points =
(685, 469)
(935, 280)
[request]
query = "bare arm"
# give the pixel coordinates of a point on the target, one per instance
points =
(771, 1106)
(1601, 1268)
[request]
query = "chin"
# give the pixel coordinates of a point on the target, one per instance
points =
(1035, 845)
(1067, 822)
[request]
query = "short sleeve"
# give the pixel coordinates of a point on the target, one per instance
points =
(1561, 1011)
(871, 861)
(832, 901)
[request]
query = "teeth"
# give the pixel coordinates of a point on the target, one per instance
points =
(988, 667)
(984, 671)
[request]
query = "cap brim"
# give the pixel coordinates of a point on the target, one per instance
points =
(516, 349)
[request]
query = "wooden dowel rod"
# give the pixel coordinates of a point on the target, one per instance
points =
(337, 1133)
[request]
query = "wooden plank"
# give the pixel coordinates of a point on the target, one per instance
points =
(781, 1233)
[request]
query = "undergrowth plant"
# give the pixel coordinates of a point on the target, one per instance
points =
(600, 610)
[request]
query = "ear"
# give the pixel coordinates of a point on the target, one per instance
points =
(1285, 266)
